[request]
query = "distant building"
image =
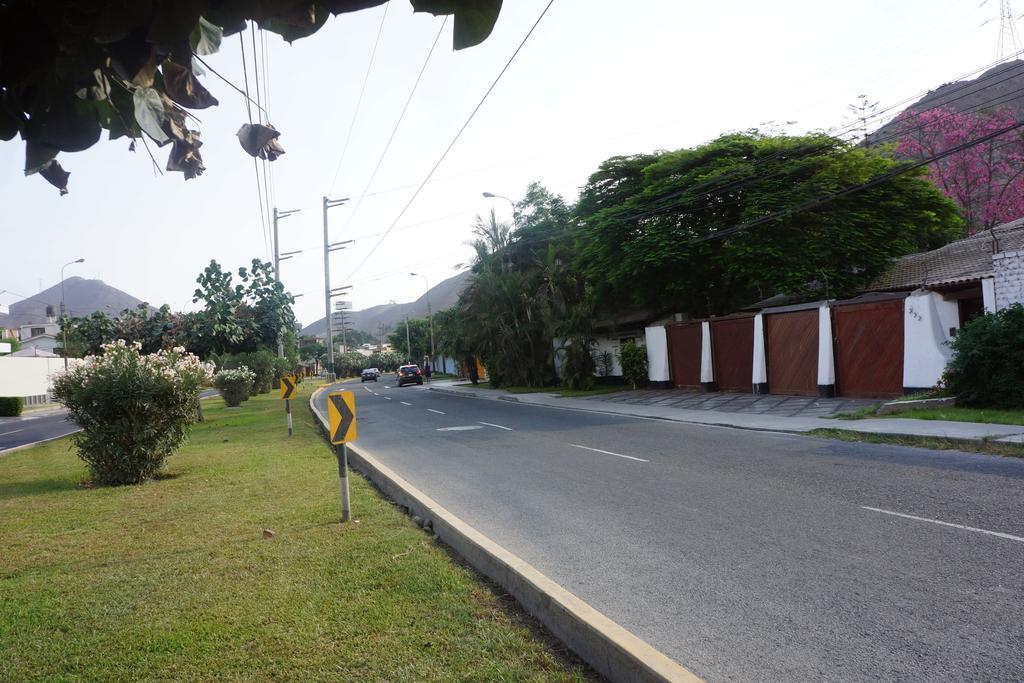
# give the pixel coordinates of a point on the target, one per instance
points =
(43, 336)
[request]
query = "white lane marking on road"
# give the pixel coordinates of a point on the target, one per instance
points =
(367, 388)
(436, 411)
(507, 429)
(598, 450)
(14, 432)
(404, 403)
(1000, 534)
(462, 428)
(386, 398)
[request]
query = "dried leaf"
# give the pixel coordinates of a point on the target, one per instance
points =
(56, 176)
(185, 157)
(260, 141)
(182, 87)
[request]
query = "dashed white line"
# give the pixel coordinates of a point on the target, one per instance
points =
(1000, 534)
(436, 411)
(14, 432)
(507, 429)
(617, 455)
(367, 388)
(461, 428)
(404, 403)
(386, 398)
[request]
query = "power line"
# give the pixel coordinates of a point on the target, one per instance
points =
(455, 139)
(255, 164)
(359, 100)
(405, 108)
(813, 149)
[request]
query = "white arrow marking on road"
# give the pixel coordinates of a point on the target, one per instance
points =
(404, 403)
(617, 455)
(436, 411)
(1000, 534)
(14, 432)
(463, 428)
(507, 429)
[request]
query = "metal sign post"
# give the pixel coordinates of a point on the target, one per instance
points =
(341, 419)
(288, 385)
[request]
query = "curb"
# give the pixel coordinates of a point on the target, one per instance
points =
(610, 649)
(36, 443)
(1000, 437)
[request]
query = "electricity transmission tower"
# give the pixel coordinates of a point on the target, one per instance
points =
(1009, 39)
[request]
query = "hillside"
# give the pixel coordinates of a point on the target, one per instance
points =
(81, 297)
(441, 295)
(1001, 86)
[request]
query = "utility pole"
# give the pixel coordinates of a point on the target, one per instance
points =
(408, 344)
(328, 292)
(278, 257)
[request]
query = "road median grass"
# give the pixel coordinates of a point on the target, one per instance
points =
(175, 579)
(930, 442)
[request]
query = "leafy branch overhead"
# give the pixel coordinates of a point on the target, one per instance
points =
(70, 69)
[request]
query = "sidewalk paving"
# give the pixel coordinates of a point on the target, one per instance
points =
(749, 419)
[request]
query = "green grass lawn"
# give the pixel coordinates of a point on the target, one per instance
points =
(958, 414)
(173, 579)
(930, 442)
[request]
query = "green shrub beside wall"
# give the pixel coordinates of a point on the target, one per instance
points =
(10, 406)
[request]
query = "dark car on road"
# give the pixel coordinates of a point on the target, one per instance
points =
(370, 374)
(409, 374)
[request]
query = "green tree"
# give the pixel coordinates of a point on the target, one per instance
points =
(419, 336)
(243, 317)
(672, 241)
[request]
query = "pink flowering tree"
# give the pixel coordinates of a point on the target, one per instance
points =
(986, 180)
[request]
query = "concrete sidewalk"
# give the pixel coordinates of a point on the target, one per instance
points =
(967, 431)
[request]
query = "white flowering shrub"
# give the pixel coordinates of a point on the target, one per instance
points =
(235, 384)
(134, 410)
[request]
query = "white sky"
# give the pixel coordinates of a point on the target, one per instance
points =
(594, 80)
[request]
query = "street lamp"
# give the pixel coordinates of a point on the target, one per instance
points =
(63, 326)
(430, 317)
(515, 211)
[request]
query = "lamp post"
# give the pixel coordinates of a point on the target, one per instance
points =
(430, 317)
(63, 327)
(515, 211)
(278, 257)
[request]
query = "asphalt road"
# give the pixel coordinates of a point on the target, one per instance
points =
(743, 555)
(18, 431)
(30, 428)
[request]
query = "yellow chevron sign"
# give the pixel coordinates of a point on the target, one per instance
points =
(341, 416)
(288, 386)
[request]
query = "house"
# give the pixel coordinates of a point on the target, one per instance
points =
(890, 340)
(40, 335)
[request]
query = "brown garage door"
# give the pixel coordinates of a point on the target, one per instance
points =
(732, 347)
(869, 349)
(684, 354)
(792, 341)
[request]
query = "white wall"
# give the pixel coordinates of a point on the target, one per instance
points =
(656, 340)
(29, 376)
(1009, 278)
(927, 320)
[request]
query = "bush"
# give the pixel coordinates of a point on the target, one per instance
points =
(260, 362)
(235, 384)
(10, 406)
(134, 410)
(987, 369)
(578, 366)
(633, 359)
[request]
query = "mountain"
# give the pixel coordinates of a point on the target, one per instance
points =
(442, 295)
(999, 87)
(81, 297)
